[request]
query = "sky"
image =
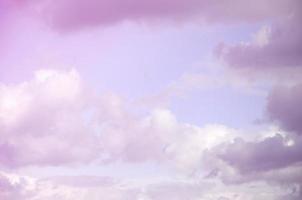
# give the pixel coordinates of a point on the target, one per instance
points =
(150, 100)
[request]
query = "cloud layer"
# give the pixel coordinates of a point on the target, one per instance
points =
(69, 14)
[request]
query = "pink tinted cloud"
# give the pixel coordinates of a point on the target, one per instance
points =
(42, 122)
(138, 139)
(54, 119)
(269, 154)
(284, 106)
(15, 187)
(74, 14)
(27, 188)
(9, 191)
(50, 120)
(278, 46)
(93, 188)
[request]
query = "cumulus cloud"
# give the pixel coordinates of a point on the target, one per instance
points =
(269, 154)
(274, 47)
(274, 53)
(274, 160)
(271, 159)
(54, 119)
(159, 137)
(42, 121)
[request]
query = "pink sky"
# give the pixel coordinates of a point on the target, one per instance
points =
(150, 100)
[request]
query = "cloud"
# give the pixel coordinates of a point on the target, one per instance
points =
(159, 137)
(42, 121)
(269, 154)
(187, 150)
(7, 190)
(15, 187)
(274, 53)
(273, 48)
(274, 160)
(75, 14)
(54, 119)
(21, 188)
(284, 107)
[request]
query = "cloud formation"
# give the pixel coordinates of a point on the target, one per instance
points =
(75, 14)
(55, 120)
(284, 107)
(93, 12)
(269, 154)
(42, 121)
(21, 188)
(273, 47)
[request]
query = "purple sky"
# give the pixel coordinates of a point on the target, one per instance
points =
(150, 100)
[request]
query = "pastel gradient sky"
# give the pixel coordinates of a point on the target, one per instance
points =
(150, 100)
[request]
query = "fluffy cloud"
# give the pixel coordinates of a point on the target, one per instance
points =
(42, 121)
(54, 120)
(274, 48)
(269, 154)
(276, 158)
(134, 139)
(158, 137)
